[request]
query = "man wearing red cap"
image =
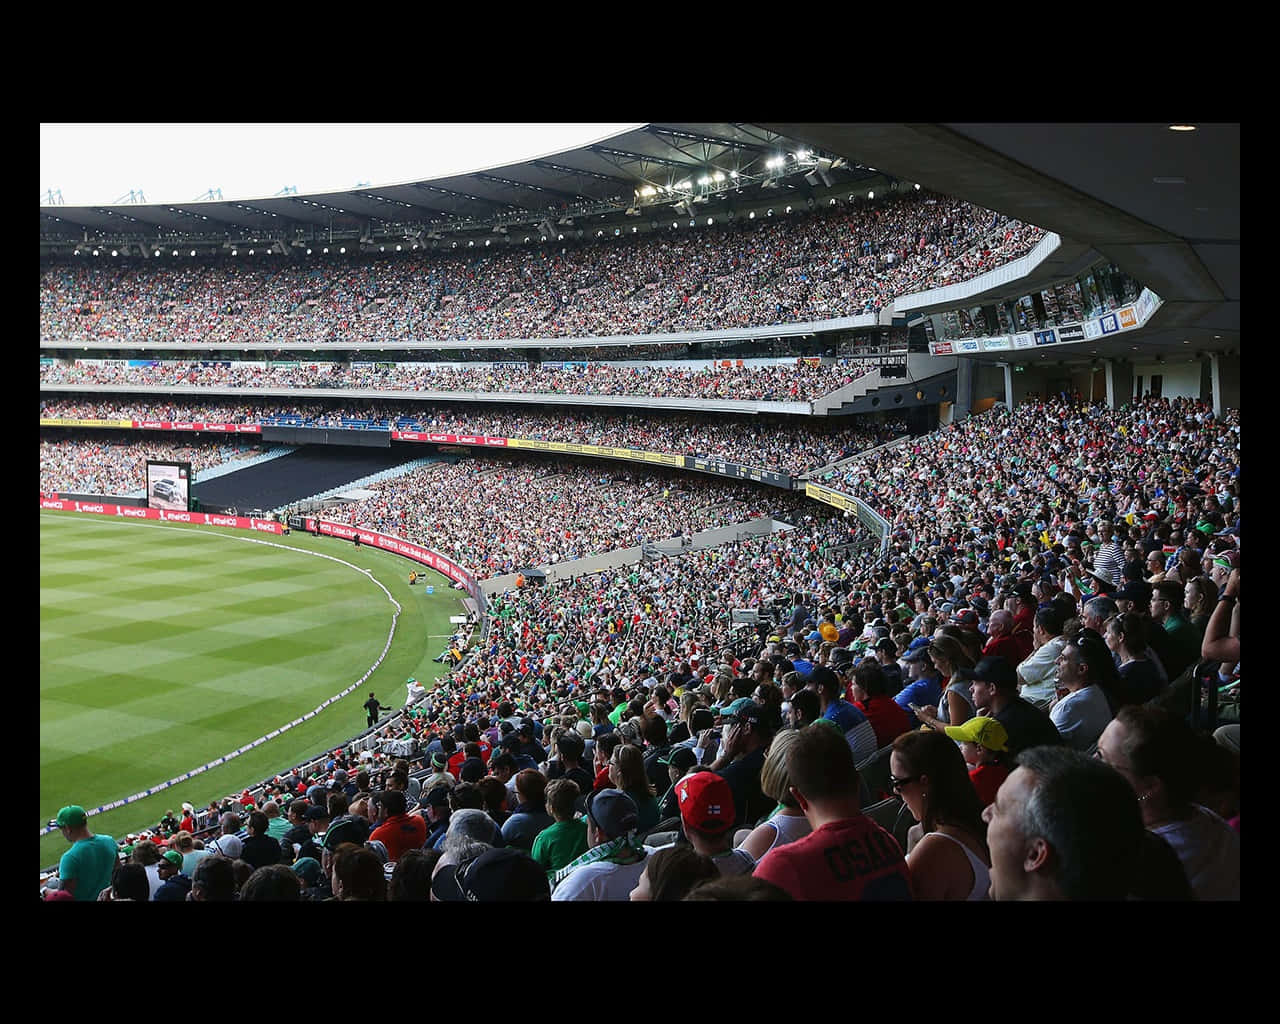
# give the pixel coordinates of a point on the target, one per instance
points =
(707, 811)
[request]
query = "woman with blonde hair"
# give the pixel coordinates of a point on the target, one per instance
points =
(787, 823)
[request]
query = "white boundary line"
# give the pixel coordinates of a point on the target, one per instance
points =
(284, 728)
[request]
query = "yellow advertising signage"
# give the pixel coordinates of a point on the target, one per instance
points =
(86, 423)
(828, 496)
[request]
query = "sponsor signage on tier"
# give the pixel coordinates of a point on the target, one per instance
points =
(1023, 340)
(160, 514)
(1109, 324)
(1045, 337)
(717, 466)
(1071, 332)
(942, 348)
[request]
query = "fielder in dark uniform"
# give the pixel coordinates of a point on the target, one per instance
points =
(373, 707)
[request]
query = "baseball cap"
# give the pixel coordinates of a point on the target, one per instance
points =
(981, 729)
(438, 760)
(1134, 590)
(992, 669)
(504, 874)
(317, 813)
(437, 797)
(308, 869)
(72, 816)
(731, 709)
(752, 713)
(682, 758)
(612, 812)
(173, 857)
(967, 619)
(706, 802)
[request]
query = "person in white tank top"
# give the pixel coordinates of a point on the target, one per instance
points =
(787, 823)
(928, 771)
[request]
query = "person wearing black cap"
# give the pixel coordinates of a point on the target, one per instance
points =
(1181, 645)
(995, 692)
(436, 810)
(610, 869)
(745, 743)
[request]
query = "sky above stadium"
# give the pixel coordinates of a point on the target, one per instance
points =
(180, 163)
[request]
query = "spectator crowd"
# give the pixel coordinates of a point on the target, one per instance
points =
(783, 446)
(1009, 705)
(840, 261)
(793, 382)
(92, 465)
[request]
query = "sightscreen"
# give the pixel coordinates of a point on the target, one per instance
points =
(169, 485)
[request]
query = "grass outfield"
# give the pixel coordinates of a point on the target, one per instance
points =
(165, 646)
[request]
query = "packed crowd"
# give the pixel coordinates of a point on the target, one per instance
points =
(538, 512)
(88, 465)
(788, 383)
(791, 446)
(1007, 706)
(842, 261)
(983, 476)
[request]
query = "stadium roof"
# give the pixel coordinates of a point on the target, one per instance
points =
(1162, 205)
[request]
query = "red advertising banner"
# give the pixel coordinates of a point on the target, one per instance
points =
(397, 546)
(163, 515)
(216, 428)
(488, 442)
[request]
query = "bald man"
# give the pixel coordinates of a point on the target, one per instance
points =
(1000, 639)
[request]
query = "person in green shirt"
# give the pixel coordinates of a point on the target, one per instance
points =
(564, 841)
(85, 869)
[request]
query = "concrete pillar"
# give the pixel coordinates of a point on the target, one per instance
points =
(964, 386)
(1008, 386)
(1119, 383)
(1218, 369)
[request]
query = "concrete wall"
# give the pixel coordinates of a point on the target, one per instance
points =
(1181, 379)
(629, 556)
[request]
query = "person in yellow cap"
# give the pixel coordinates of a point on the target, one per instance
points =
(85, 869)
(985, 746)
(828, 632)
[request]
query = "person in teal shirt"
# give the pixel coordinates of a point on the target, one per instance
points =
(85, 869)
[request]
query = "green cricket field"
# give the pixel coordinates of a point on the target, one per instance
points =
(165, 646)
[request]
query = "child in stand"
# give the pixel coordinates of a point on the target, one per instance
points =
(985, 746)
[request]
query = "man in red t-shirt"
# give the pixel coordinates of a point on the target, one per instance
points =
(847, 856)
(396, 830)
